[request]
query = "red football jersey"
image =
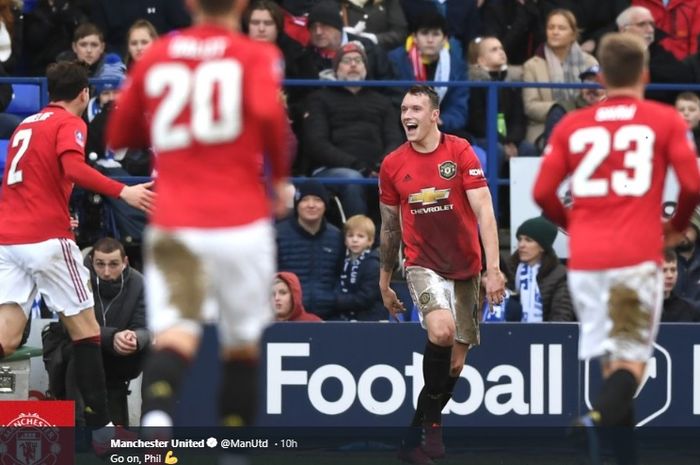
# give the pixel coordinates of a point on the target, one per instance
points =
(209, 103)
(617, 153)
(36, 185)
(440, 230)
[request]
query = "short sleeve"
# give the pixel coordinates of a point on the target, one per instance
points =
(71, 136)
(472, 173)
(387, 191)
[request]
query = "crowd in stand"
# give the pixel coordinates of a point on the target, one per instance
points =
(344, 132)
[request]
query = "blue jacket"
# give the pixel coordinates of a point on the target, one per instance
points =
(315, 259)
(359, 297)
(454, 107)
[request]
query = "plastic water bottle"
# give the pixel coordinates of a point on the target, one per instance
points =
(501, 124)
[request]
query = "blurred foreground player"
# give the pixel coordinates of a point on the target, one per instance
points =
(207, 101)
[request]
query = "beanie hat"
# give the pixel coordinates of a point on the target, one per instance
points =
(540, 229)
(351, 47)
(326, 12)
(311, 187)
(112, 68)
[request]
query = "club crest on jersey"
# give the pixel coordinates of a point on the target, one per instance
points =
(447, 170)
(79, 138)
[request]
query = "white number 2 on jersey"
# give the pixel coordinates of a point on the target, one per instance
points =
(14, 175)
(637, 143)
(212, 121)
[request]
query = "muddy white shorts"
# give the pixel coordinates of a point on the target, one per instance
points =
(619, 311)
(53, 268)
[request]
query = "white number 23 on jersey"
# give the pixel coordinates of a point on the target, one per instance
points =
(637, 143)
(215, 117)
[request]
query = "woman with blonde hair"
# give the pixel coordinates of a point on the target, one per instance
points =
(559, 60)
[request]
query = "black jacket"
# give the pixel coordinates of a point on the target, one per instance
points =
(519, 26)
(510, 103)
(343, 129)
(679, 310)
(118, 306)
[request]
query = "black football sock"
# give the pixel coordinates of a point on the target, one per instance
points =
(436, 373)
(238, 396)
(2, 351)
(447, 394)
(162, 376)
(615, 399)
(90, 378)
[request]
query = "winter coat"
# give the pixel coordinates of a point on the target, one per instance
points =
(454, 108)
(315, 259)
(678, 310)
(299, 313)
(510, 103)
(554, 290)
(538, 100)
(351, 130)
(519, 26)
(680, 20)
(358, 294)
(384, 18)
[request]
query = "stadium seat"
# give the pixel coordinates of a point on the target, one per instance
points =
(26, 100)
(29, 5)
(3, 154)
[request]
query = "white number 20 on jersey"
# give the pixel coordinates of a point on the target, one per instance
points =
(215, 116)
(637, 143)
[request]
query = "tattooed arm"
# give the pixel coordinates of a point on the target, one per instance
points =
(390, 242)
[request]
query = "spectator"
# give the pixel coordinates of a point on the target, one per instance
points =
(679, 20)
(664, 67)
(358, 291)
(88, 46)
(586, 96)
(326, 36)
(539, 284)
(105, 92)
(8, 121)
(688, 105)
(49, 29)
(462, 16)
(381, 21)
(348, 130)
(688, 285)
(139, 37)
(676, 309)
(595, 18)
(114, 18)
(430, 55)
(560, 60)
(264, 21)
(311, 248)
(11, 28)
(488, 62)
(287, 299)
(517, 23)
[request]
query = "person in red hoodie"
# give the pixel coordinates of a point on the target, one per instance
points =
(287, 299)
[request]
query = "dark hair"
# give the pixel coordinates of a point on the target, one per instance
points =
(427, 91)
(269, 5)
(66, 80)
(109, 245)
(670, 255)
(87, 29)
(216, 7)
(623, 56)
(430, 20)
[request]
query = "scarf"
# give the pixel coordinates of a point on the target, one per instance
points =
(442, 72)
(566, 71)
(529, 290)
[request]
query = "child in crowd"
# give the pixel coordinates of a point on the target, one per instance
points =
(358, 291)
(688, 105)
(287, 299)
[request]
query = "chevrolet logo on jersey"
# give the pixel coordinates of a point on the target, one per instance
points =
(429, 196)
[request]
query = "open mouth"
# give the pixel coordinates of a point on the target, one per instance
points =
(411, 127)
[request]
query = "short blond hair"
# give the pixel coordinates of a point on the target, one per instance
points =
(623, 57)
(360, 223)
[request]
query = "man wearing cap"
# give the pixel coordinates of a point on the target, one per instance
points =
(347, 130)
(326, 36)
(539, 279)
(311, 248)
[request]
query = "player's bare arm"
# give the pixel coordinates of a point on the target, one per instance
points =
(139, 196)
(390, 242)
(480, 202)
